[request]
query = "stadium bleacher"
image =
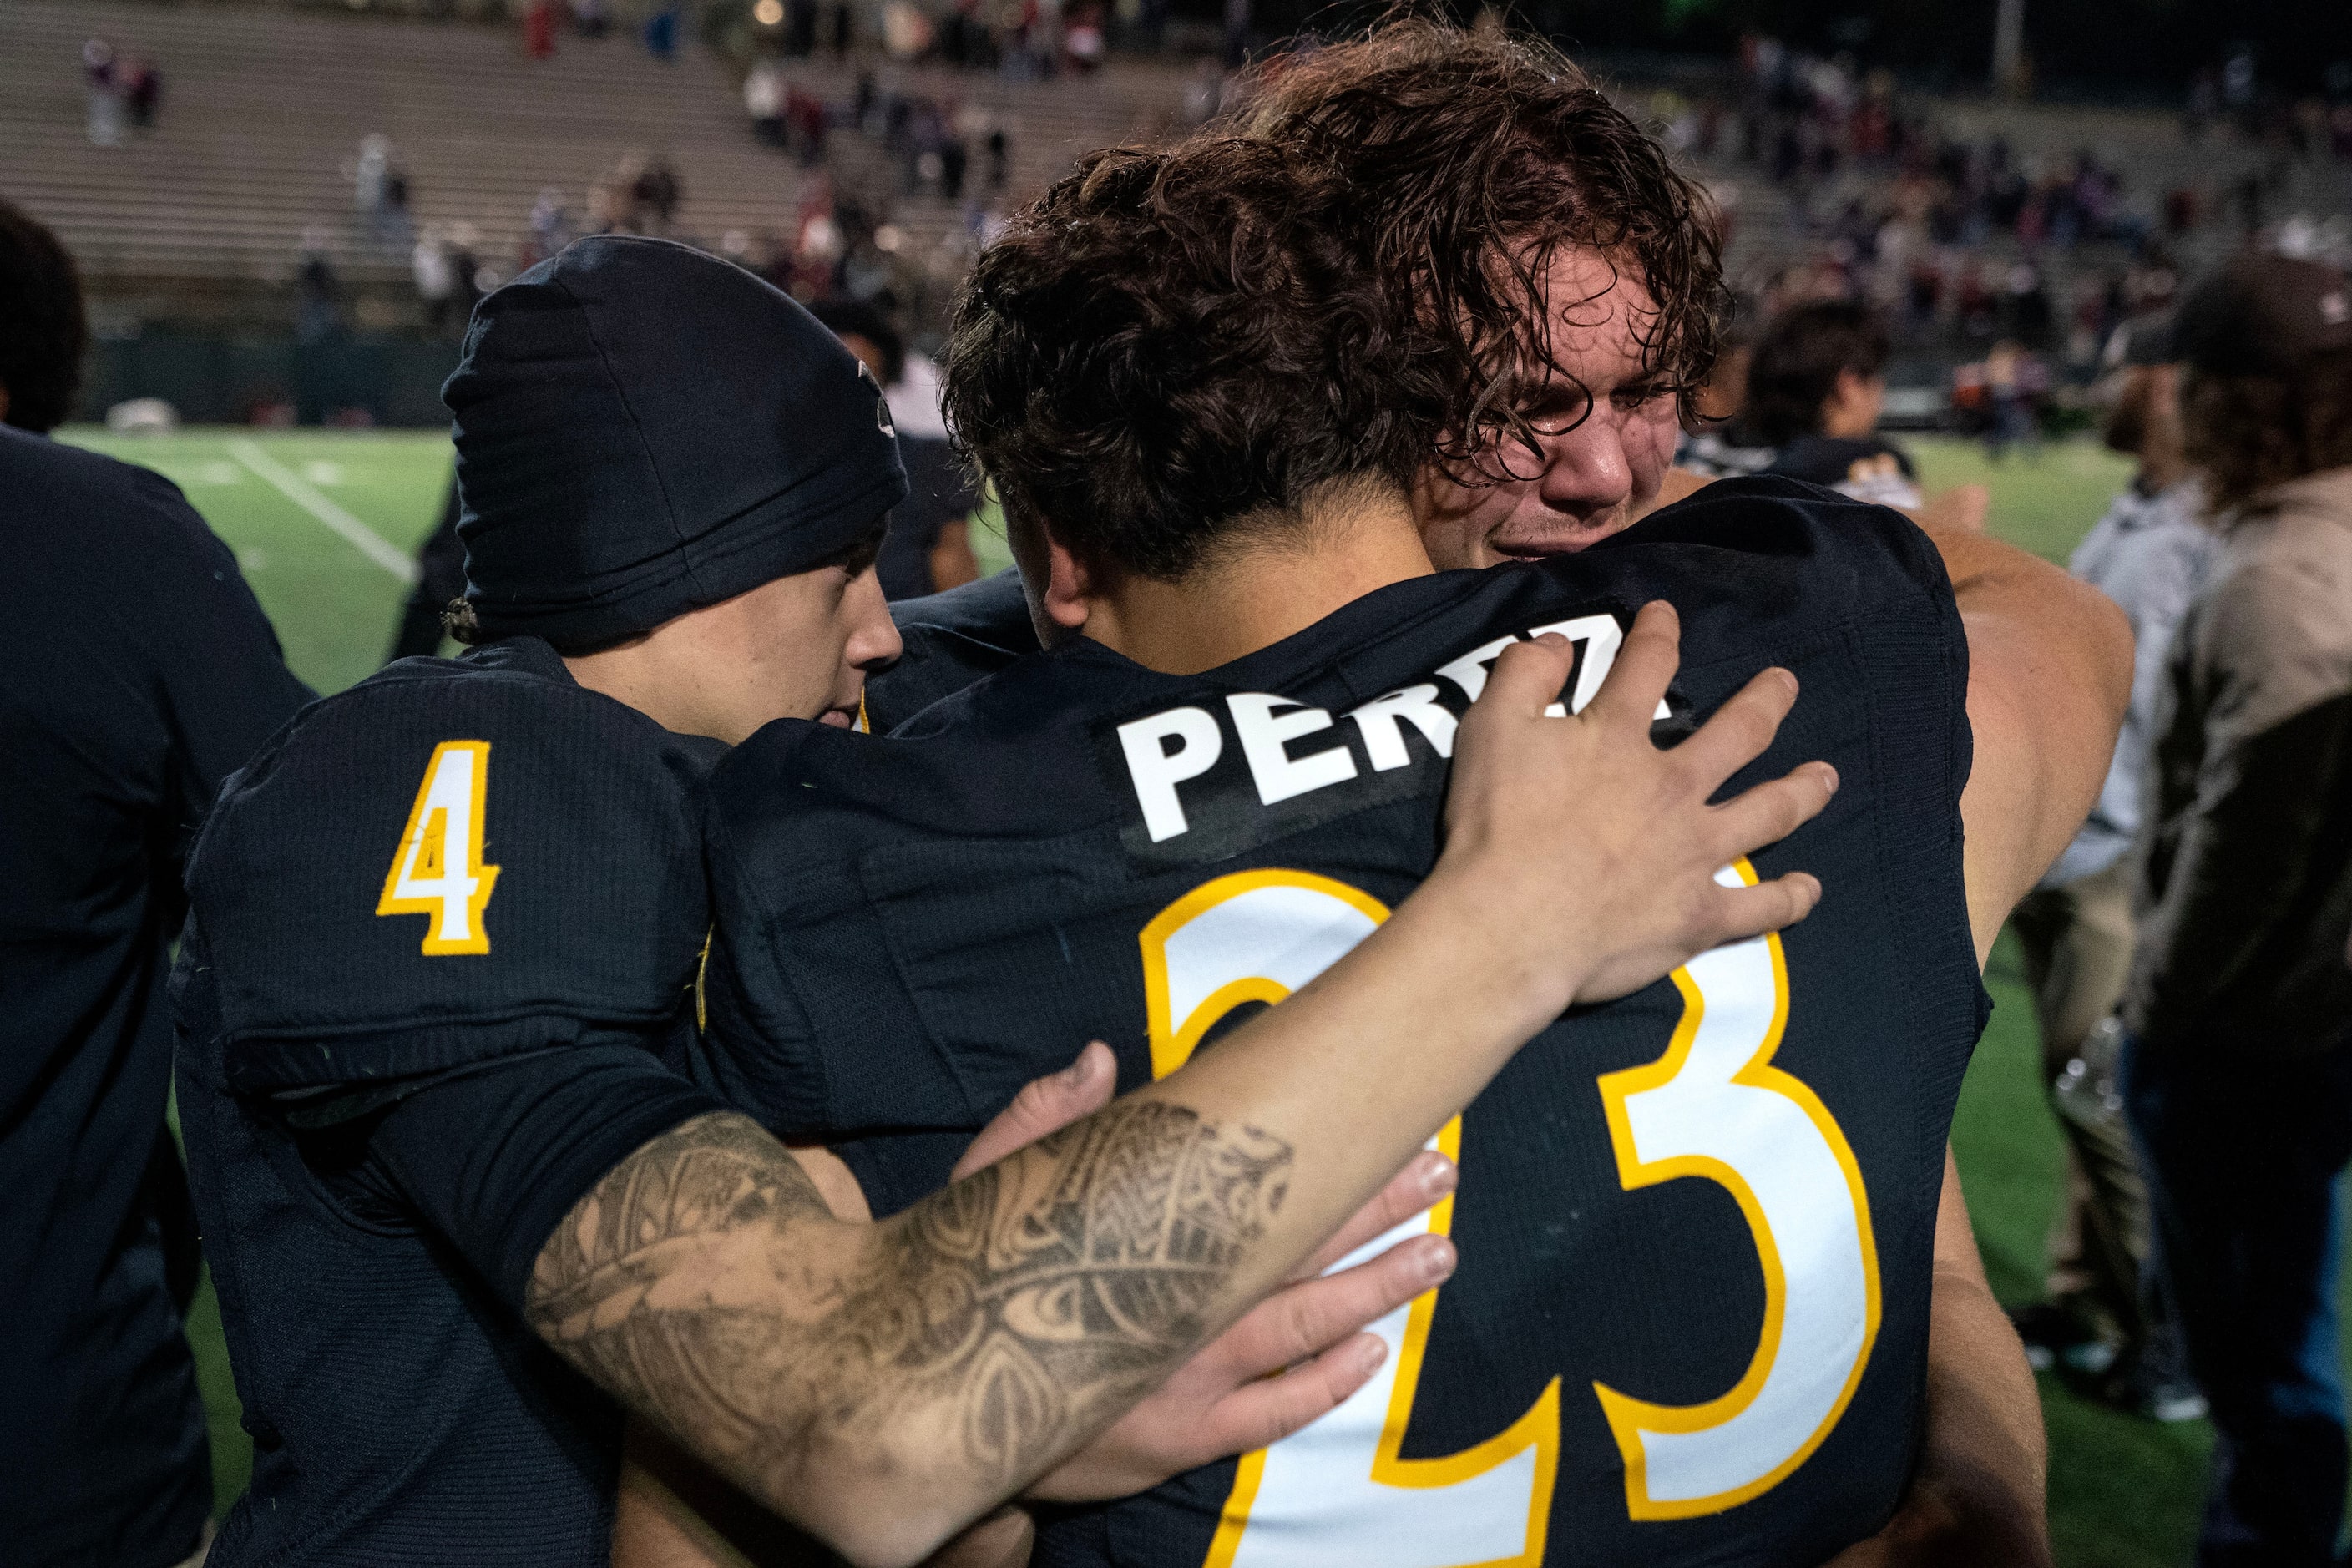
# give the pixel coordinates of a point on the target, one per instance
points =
(265, 108)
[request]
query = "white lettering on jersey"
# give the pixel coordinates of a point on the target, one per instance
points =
(1713, 1107)
(1378, 723)
(1469, 671)
(1278, 773)
(1157, 771)
(1337, 1494)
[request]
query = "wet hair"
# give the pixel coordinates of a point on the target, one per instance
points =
(1799, 360)
(1170, 349)
(43, 332)
(2248, 433)
(1344, 281)
(1478, 157)
(855, 318)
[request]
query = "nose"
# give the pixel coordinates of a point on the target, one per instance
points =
(873, 636)
(1586, 471)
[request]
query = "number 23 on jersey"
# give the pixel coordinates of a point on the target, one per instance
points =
(438, 869)
(1340, 1494)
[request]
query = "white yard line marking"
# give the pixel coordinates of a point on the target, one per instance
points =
(363, 538)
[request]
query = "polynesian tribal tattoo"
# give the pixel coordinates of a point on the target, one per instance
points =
(1026, 1304)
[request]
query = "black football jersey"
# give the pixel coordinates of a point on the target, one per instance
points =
(1696, 1225)
(452, 863)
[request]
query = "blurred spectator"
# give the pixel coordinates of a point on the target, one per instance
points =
(539, 29)
(138, 672)
(929, 545)
(317, 293)
(105, 121)
(763, 100)
(591, 19)
(551, 228)
(661, 34)
(1205, 95)
(2237, 1061)
(436, 282)
(656, 192)
(1720, 446)
(2002, 393)
(1815, 386)
(467, 281)
(380, 191)
(2108, 1319)
(143, 91)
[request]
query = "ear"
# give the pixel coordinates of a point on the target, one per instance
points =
(1070, 585)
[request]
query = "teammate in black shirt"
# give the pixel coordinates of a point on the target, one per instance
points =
(138, 673)
(1071, 811)
(443, 936)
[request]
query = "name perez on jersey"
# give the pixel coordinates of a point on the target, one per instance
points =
(1204, 778)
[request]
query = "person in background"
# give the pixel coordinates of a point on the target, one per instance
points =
(1815, 385)
(2237, 1057)
(2106, 1317)
(143, 91)
(136, 671)
(99, 80)
(929, 547)
(1720, 448)
(440, 578)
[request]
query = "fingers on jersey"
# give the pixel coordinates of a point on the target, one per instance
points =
(1646, 667)
(1045, 1105)
(1315, 1330)
(1426, 1178)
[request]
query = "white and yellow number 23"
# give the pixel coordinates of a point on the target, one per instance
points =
(1338, 1494)
(437, 870)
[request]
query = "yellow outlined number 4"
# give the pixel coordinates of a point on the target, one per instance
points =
(1713, 1106)
(437, 870)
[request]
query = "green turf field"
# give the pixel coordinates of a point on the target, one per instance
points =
(2122, 1494)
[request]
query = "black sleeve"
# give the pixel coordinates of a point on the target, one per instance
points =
(493, 1158)
(222, 676)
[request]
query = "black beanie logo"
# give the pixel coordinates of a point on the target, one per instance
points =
(881, 402)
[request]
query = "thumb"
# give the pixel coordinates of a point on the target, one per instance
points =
(1045, 1105)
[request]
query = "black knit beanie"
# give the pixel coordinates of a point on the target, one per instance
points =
(642, 430)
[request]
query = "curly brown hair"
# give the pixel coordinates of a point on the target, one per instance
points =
(2248, 433)
(1166, 343)
(1480, 155)
(1346, 280)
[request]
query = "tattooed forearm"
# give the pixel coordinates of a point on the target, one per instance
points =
(1006, 1316)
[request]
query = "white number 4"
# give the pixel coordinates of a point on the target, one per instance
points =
(437, 870)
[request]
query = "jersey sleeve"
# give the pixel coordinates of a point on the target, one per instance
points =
(434, 869)
(495, 1155)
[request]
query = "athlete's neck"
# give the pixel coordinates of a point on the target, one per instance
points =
(1252, 596)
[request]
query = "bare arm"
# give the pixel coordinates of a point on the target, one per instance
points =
(1291, 1358)
(2050, 665)
(884, 1386)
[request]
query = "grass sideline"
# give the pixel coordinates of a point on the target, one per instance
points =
(2124, 1494)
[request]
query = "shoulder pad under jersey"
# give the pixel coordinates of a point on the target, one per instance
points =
(451, 860)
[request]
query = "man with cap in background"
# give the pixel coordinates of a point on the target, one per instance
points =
(138, 672)
(2106, 1321)
(2237, 1062)
(435, 1139)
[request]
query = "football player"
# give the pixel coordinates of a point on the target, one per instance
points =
(1206, 405)
(443, 934)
